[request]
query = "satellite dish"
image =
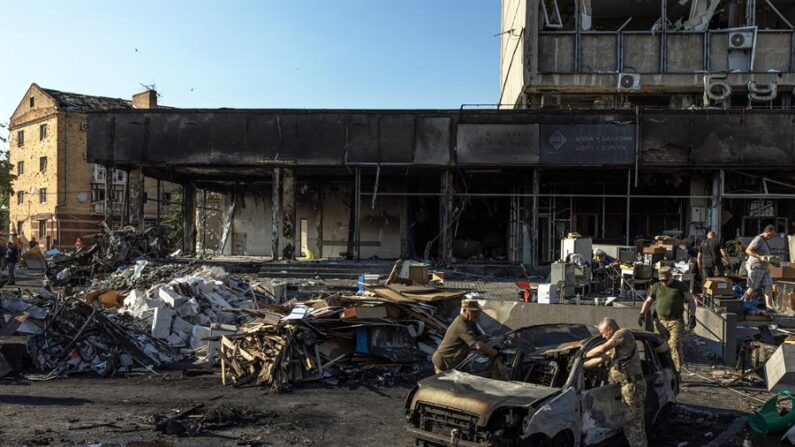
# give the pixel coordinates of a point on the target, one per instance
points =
(82, 197)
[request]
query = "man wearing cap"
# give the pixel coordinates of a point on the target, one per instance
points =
(461, 337)
(669, 297)
(620, 353)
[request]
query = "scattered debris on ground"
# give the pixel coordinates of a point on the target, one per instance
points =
(206, 417)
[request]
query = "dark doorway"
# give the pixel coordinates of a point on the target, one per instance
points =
(422, 226)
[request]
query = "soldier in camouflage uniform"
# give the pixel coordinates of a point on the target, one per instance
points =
(620, 353)
(669, 297)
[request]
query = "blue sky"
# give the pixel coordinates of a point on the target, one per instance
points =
(256, 54)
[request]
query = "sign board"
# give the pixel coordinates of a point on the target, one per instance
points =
(497, 144)
(587, 144)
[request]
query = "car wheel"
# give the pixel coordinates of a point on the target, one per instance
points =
(563, 439)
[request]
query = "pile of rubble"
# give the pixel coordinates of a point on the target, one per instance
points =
(146, 316)
(111, 250)
(188, 311)
(71, 336)
(117, 330)
(353, 338)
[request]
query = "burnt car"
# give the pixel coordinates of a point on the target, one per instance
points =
(541, 397)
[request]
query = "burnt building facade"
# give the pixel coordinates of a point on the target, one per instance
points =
(498, 185)
(616, 120)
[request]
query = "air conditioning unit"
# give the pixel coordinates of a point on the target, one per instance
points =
(628, 81)
(741, 40)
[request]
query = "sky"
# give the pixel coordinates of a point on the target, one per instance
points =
(255, 54)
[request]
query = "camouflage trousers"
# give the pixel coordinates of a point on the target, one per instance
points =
(673, 332)
(633, 395)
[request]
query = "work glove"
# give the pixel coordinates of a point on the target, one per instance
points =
(642, 320)
(691, 324)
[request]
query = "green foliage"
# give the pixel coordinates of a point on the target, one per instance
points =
(6, 190)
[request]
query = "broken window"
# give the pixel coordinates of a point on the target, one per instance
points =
(32, 101)
(775, 14)
(42, 131)
(42, 164)
(42, 195)
(97, 193)
(119, 176)
(615, 15)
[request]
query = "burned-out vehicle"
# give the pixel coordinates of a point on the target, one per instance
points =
(542, 397)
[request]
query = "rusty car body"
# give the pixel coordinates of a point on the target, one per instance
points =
(545, 397)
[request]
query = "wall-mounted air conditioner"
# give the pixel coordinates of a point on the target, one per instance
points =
(741, 40)
(628, 81)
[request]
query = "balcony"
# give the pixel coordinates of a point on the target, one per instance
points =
(98, 208)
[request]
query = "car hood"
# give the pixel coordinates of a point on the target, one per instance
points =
(475, 395)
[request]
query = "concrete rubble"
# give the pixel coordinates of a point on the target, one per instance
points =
(148, 315)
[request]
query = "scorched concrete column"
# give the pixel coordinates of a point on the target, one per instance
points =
(135, 179)
(716, 203)
(275, 224)
(288, 213)
(445, 215)
(188, 219)
(108, 195)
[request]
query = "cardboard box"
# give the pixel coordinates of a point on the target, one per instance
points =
(654, 250)
(368, 311)
(548, 294)
(717, 286)
(785, 271)
(419, 274)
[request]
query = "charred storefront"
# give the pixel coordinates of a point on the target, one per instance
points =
(455, 185)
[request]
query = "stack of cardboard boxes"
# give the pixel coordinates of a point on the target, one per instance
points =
(718, 292)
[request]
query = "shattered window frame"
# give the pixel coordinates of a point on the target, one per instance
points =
(43, 163)
(42, 195)
(42, 228)
(42, 131)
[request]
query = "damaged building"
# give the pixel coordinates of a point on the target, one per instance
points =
(623, 122)
(58, 196)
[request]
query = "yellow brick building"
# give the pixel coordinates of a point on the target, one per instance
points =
(58, 195)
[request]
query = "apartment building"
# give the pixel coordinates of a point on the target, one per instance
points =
(58, 195)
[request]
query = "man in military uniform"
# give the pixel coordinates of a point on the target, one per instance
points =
(461, 337)
(621, 355)
(669, 297)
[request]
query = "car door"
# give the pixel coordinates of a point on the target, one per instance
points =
(603, 413)
(660, 382)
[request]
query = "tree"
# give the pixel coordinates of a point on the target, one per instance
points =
(6, 190)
